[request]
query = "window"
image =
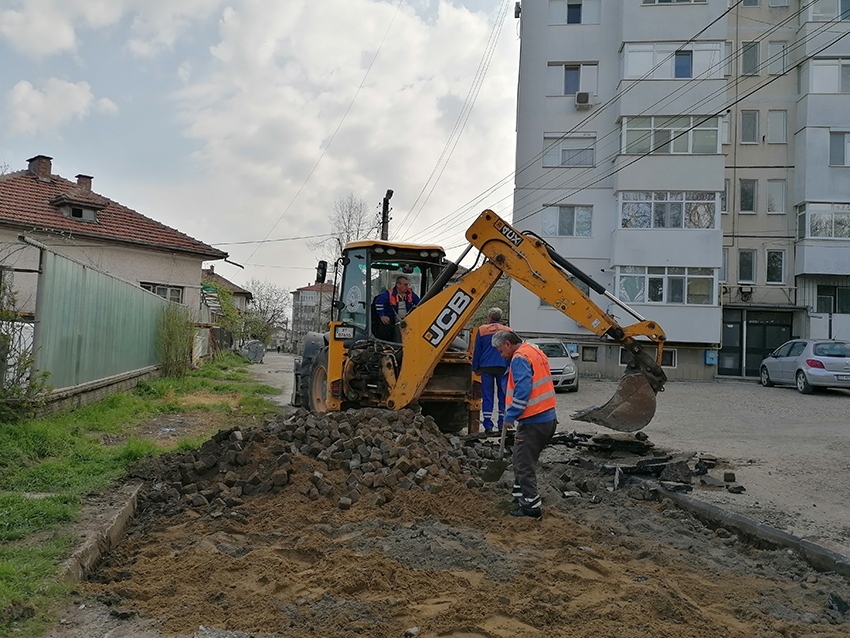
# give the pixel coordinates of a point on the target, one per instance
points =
(724, 197)
(684, 135)
(569, 79)
(775, 267)
(776, 196)
(589, 353)
(172, 293)
(777, 57)
(830, 76)
(674, 1)
(750, 3)
(826, 10)
(684, 64)
(574, 11)
(749, 195)
(823, 220)
(654, 209)
(746, 266)
(669, 60)
(724, 264)
(560, 149)
(749, 127)
(725, 130)
(839, 145)
(750, 58)
(567, 221)
(777, 127)
(666, 284)
(668, 357)
(778, 3)
(834, 299)
(728, 58)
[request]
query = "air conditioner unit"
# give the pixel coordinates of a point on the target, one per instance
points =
(584, 100)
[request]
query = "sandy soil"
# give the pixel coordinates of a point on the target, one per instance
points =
(452, 563)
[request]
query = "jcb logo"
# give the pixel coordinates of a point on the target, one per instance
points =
(510, 234)
(447, 318)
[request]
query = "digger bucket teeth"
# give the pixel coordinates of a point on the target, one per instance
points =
(630, 409)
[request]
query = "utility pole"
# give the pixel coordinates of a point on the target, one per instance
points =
(385, 215)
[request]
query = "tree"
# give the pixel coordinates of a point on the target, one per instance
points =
(349, 221)
(268, 311)
(498, 297)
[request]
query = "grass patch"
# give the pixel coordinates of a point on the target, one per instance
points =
(48, 465)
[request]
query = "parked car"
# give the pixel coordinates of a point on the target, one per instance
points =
(561, 364)
(808, 364)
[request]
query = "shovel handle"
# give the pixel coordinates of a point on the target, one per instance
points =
(502, 443)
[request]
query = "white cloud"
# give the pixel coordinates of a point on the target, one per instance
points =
(33, 110)
(158, 24)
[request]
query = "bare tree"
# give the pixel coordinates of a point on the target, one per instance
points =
(349, 221)
(268, 311)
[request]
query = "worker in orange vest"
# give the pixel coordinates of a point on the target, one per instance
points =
(530, 404)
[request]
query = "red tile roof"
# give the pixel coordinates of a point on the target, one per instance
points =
(209, 274)
(317, 287)
(28, 202)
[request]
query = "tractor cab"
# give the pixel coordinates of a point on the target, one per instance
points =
(371, 267)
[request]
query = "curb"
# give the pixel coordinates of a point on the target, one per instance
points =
(93, 549)
(820, 558)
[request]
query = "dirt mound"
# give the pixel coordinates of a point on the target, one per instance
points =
(368, 523)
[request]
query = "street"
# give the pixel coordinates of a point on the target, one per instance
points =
(790, 451)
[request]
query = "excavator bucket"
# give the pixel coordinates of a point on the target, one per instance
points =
(630, 409)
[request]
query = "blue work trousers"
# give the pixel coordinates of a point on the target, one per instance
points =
(493, 388)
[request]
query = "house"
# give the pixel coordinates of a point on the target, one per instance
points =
(694, 166)
(76, 222)
(311, 311)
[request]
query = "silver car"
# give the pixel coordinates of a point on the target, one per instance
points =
(564, 372)
(808, 364)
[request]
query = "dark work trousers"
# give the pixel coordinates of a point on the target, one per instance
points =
(529, 442)
(494, 383)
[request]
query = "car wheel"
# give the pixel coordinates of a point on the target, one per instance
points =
(764, 378)
(803, 384)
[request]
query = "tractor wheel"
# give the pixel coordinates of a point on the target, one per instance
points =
(318, 390)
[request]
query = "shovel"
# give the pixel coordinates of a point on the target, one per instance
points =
(494, 470)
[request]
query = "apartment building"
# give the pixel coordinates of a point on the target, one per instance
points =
(692, 157)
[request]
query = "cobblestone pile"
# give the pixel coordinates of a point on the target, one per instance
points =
(366, 452)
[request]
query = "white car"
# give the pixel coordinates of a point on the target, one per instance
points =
(561, 364)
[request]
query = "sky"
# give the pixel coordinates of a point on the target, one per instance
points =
(238, 121)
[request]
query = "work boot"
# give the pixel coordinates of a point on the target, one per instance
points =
(533, 513)
(488, 426)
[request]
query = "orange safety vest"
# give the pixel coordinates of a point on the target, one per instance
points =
(542, 396)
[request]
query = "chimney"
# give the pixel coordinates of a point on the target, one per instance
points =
(84, 182)
(212, 270)
(40, 166)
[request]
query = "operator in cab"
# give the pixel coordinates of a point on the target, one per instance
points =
(391, 306)
(530, 404)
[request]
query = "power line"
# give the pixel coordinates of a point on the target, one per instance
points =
(269, 241)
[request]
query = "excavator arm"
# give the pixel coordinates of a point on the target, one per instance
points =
(530, 261)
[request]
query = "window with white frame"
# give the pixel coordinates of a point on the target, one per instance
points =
(685, 135)
(747, 261)
(674, 1)
(830, 76)
(661, 209)
(777, 127)
(669, 60)
(666, 284)
(562, 149)
(827, 10)
(750, 3)
(725, 130)
(777, 57)
(172, 293)
(574, 11)
(724, 196)
(724, 263)
(823, 220)
(567, 221)
(728, 57)
(750, 58)
(778, 3)
(749, 127)
(775, 267)
(748, 200)
(839, 149)
(776, 196)
(568, 78)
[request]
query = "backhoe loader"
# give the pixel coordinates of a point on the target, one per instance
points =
(423, 364)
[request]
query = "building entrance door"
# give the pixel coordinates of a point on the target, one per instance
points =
(749, 336)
